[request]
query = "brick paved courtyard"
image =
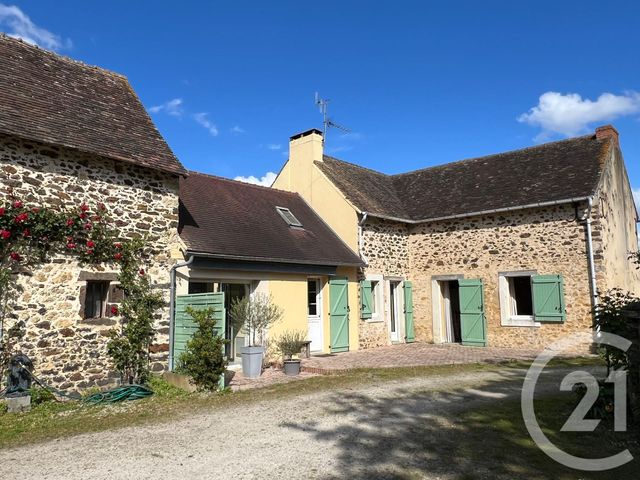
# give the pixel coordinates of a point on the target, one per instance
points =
(412, 355)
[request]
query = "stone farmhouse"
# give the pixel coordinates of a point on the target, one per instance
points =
(72, 133)
(504, 250)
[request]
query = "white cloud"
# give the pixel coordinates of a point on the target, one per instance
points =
(18, 25)
(266, 180)
(570, 114)
(237, 129)
(202, 120)
(274, 146)
(172, 107)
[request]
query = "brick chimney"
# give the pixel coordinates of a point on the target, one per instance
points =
(607, 131)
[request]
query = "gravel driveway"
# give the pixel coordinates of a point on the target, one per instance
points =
(368, 431)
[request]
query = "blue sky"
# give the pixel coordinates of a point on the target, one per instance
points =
(418, 83)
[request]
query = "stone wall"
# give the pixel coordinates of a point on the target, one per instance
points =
(385, 247)
(68, 351)
(545, 240)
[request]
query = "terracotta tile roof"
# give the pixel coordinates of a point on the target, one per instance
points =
(550, 172)
(52, 99)
(237, 220)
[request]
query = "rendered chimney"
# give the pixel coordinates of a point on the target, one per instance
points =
(607, 131)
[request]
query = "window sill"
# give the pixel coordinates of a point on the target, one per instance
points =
(374, 320)
(102, 321)
(522, 321)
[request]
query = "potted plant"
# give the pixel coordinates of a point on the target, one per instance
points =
(255, 314)
(290, 343)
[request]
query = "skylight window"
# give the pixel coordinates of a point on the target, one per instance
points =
(288, 217)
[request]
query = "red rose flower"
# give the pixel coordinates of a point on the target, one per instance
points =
(84, 207)
(4, 234)
(17, 204)
(15, 256)
(70, 222)
(89, 252)
(87, 226)
(91, 244)
(26, 232)
(23, 217)
(2, 210)
(71, 246)
(141, 272)
(83, 215)
(97, 218)
(114, 310)
(118, 245)
(118, 256)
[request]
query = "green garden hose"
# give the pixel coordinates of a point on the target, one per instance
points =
(120, 394)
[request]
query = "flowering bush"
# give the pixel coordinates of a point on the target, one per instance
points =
(29, 235)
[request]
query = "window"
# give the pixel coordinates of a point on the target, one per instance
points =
(371, 299)
(516, 299)
(527, 299)
(313, 288)
(288, 217)
(375, 293)
(96, 299)
(200, 287)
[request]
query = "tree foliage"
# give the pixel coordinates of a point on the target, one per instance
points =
(255, 314)
(613, 314)
(203, 358)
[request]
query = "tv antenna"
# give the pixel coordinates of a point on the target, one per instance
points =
(323, 105)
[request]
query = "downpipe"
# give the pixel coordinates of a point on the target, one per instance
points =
(592, 267)
(360, 239)
(172, 304)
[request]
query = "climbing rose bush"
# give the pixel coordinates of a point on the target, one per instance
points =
(31, 234)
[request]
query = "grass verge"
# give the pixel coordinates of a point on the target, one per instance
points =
(53, 420)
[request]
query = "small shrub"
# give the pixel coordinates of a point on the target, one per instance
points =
(290, 343)
(204, 360)
(162, 388)
(40, 395)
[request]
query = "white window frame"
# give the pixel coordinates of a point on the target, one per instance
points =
(378, 297)
(506, 319)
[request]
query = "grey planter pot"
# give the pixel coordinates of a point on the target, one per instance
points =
(252, 361)
(292, 367)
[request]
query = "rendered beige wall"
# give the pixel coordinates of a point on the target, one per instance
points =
(289, 291)
(614, 229)
(301, 175)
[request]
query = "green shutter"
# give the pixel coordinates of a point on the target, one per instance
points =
(366, 299)
(548, 298)
(409, 333)
(472, 320)
(339, 315)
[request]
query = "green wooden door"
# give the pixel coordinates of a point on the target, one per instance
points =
(339, 314)
(184, 326)
(409, 333)
(472, 320)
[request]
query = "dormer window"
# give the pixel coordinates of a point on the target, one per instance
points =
(288, 217)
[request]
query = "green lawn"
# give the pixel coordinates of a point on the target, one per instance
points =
(493, 434)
